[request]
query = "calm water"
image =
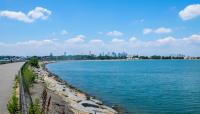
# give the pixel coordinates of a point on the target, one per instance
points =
(146, 86)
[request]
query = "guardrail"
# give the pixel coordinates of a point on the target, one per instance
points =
(23, 102)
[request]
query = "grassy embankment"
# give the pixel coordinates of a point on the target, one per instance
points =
(28, 80)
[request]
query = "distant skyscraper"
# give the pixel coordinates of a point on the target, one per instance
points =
(114, 54)
(51, 54)
(65, 53)
(90, 53)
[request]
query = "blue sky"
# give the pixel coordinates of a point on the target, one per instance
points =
(76, 24)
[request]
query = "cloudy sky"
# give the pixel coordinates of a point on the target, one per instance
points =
(145, 27)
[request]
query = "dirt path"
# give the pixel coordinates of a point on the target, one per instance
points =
(7, 76)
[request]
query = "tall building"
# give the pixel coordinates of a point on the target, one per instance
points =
(51, 54)
(65, 53)
(90, 53)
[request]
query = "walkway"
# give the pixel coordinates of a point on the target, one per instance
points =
(7, 76)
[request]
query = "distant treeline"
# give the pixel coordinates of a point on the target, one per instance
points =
(81, 57)
(8, 59)
(106, 57)
(157, 57)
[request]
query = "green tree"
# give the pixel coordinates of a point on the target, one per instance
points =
(34, 62)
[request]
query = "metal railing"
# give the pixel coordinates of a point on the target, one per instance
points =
(23, 102)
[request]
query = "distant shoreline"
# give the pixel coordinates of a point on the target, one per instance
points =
(123, 57)
(128, 60)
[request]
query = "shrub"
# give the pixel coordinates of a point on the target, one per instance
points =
(28, 75)
(34, 62)
(35, 107)
(13, 104)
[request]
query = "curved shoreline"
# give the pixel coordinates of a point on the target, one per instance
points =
(89, 98)
(61, 80)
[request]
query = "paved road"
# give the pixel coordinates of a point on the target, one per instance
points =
(7, 76)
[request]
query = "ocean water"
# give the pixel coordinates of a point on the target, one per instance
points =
(141, 86)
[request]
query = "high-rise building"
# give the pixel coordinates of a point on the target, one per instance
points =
(90, 53)
(51, 54)
(65, 53)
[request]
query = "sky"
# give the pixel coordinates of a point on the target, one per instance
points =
(144, 27)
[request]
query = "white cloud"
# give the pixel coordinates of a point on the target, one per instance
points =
(133, 39)
(96, 41)
(160, 30)
(39, 13)
(147, 31)
(116, 40)
(31, 16)
(31, 47)
(167, 40)
(36, 43)
(80, 36)
(190, 12)
(20, 16)
(76, 39)
(193, 39)
(114, 33)
(78, 45)
(100, 33)
(63, 32)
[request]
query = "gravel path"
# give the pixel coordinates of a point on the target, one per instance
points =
(7, 76)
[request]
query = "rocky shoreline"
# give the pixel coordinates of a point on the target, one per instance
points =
(79, 102)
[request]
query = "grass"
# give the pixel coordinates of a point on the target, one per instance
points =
(28, 76)
(28, 80)
(13, 104)
(35, 107)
